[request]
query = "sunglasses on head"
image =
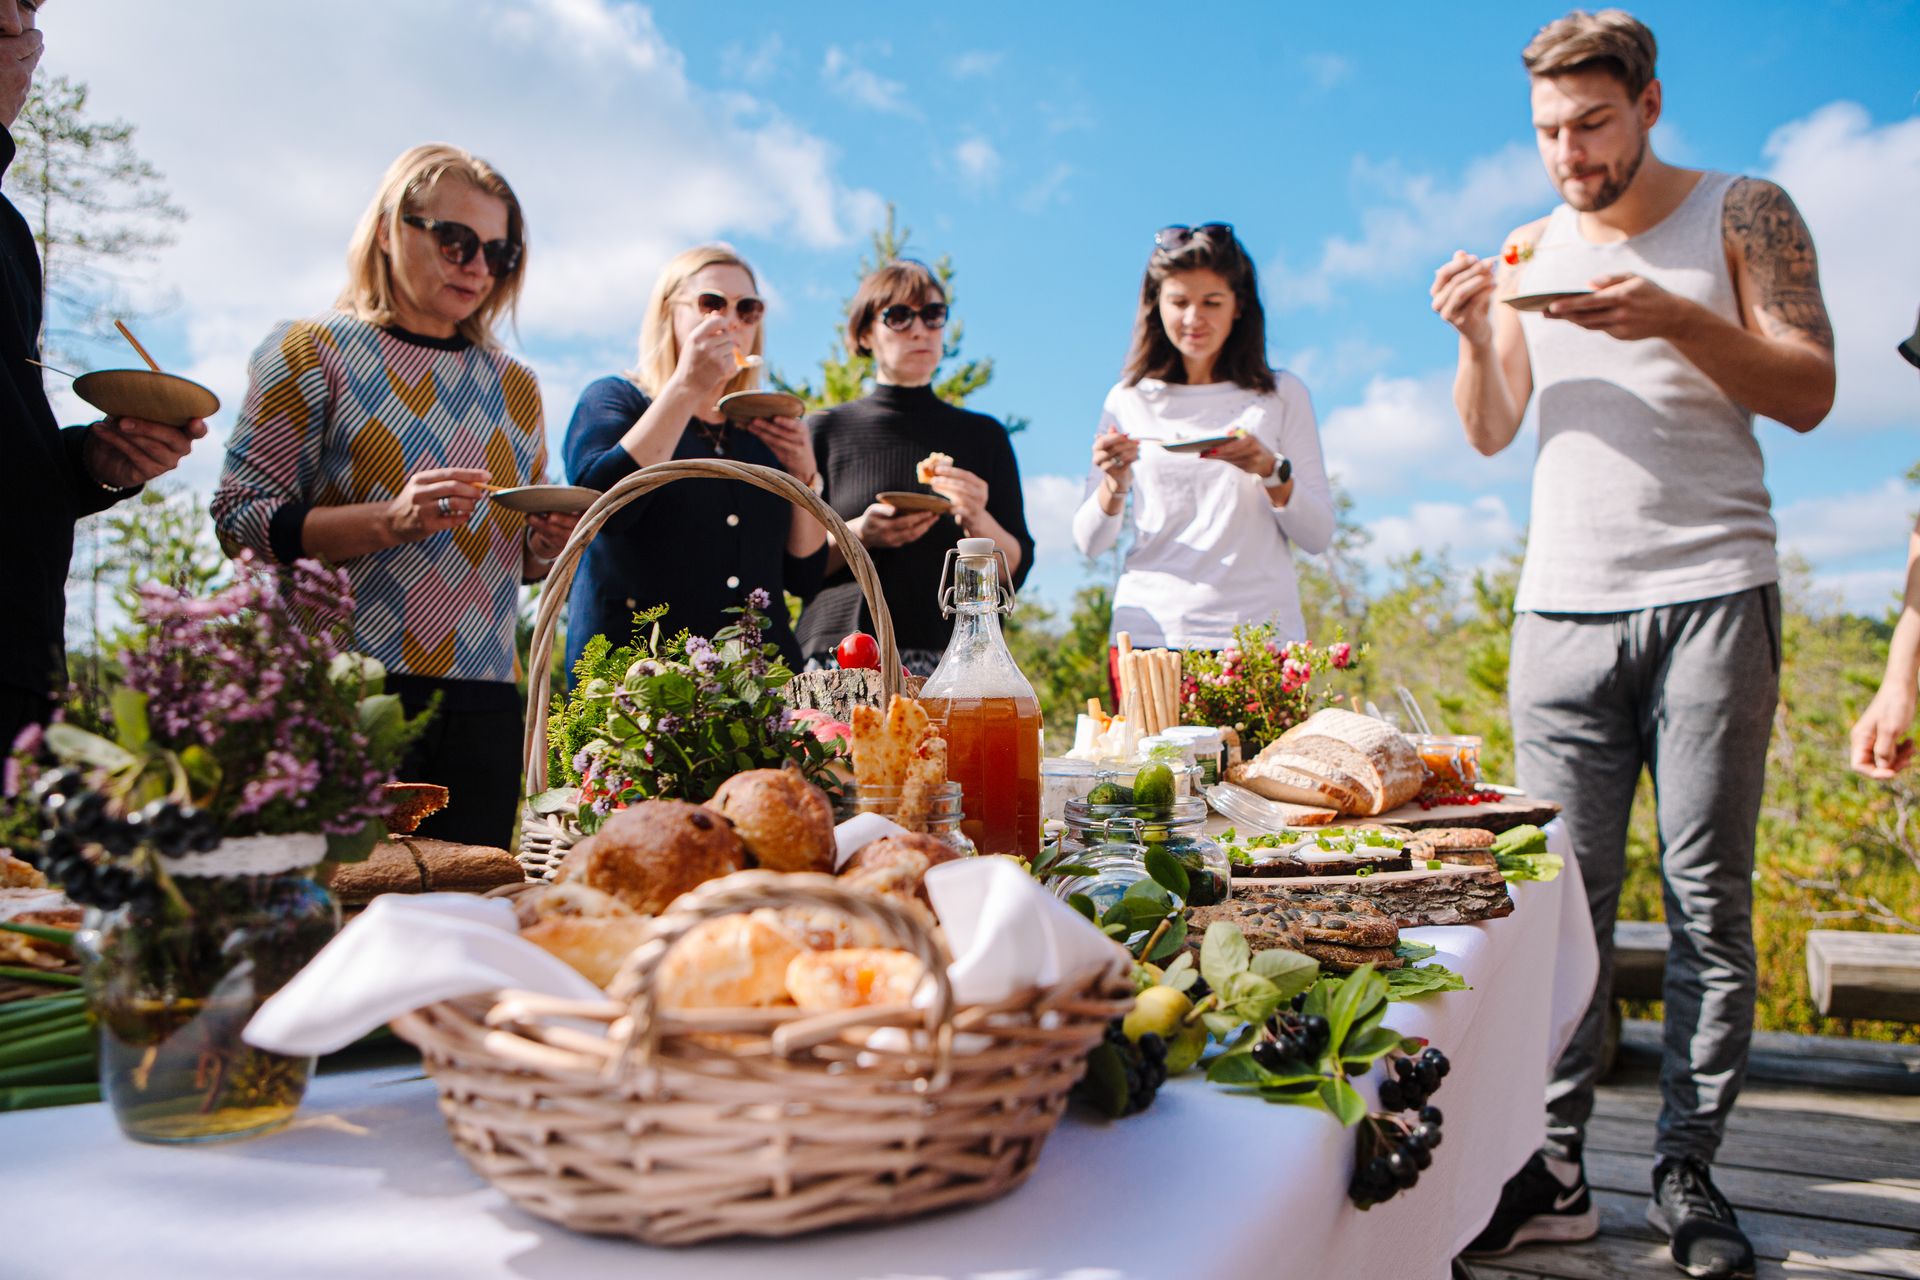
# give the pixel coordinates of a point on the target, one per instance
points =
(899, 317)
(1172, 238)
(748, 309)
(459, 242)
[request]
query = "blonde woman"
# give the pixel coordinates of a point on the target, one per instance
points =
(698, 547)
(364, 440)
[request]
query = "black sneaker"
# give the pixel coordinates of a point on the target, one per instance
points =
(1535, 1205)
(1707, 1240)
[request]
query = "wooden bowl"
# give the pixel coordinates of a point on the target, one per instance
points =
(142, 393)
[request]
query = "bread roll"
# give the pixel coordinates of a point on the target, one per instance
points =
(731, 962)
(590, 930)
(897, 865)
(785, 821)
(652, 852)
(851, 978)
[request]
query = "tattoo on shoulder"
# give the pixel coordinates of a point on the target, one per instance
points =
(1762, 225)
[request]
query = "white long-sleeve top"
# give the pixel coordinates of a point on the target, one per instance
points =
(1209, 549)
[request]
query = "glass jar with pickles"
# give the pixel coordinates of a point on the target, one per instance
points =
(1113, 836)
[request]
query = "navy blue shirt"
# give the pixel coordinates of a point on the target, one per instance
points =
(696, 546)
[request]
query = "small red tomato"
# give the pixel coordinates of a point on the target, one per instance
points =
(858, 651)
(1512, 255)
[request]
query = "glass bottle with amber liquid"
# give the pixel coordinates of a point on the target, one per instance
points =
(984, 707)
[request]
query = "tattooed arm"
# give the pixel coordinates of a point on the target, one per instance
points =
(1777, 360)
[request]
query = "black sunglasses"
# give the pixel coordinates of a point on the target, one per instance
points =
(459, 242)
(749, 309)
(899, 317)
(1172, 238)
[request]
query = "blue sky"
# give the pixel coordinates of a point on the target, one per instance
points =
(1039, 146)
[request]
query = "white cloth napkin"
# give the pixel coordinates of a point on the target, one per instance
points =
(403, 952)
(409, 950)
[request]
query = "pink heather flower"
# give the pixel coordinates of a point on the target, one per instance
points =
(1341, 655)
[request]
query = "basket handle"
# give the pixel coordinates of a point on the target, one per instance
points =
(748, 891)
(559, 583)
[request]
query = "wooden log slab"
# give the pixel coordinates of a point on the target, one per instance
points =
(1514, 811)
(1854, 974)
(1451, 895)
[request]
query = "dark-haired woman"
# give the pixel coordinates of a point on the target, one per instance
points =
(878, 443)
(1213, 532)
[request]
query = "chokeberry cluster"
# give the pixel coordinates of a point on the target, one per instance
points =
(84, 843)
(1294, 1036)
(1391, 1151)
(1123, 1076)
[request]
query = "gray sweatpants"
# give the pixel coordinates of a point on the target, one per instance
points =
(1687, 691)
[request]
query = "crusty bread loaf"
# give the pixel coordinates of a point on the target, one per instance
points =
(1373, 752)
(650, 853)
(851, 978)
(785, 821)
(1280, 774)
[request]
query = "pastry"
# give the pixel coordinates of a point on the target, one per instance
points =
(923, 470)
(785, 821)
(18, 874)
(590, 930)
(824, 929)
(897, 865)
(847, 979)
(1465, 846)
(731, 962)
(650, 853)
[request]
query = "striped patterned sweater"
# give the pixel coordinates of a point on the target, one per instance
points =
(338, 412)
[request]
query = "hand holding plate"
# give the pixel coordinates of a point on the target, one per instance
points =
(434, 501)
(124, 452)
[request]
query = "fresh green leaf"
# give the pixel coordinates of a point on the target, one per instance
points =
(1149, 891)
(1530, 866)
(1220, 1025)
(1240, 1068)
(1289, 971)
(1409, 950)
(1361, 1051)
(1167, 872)
(1172, 941)
(1223, 953)
(130, 725)
(70, 742)
(1084, 905)
(1344, 1101)
(1250, 997)
(1354, 994)
(554, 800)
(1105, 1085)
(1420, 980)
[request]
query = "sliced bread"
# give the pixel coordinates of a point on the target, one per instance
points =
(1371, 751)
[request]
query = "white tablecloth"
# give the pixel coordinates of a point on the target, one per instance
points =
(366, 1184)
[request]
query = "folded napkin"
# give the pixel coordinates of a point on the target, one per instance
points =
(1007, 934)
(405, 951)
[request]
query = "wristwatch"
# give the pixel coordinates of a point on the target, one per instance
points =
(1281, 473)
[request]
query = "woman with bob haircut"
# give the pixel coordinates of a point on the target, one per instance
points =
(878, 444)
(1213, 532)
(700, 547)
(364, 440)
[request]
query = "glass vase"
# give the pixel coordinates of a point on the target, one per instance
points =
(171, 999)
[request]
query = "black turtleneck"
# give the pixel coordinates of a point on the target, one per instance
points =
(874, 444)
(48, 487)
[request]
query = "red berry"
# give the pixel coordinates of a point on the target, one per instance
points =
(858, 651)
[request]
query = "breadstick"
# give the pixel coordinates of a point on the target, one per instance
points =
(1130, 682)
(1171, 670)
(1123, 642)
(1156, 691)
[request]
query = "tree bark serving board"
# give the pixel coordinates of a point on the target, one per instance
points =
(1451, 895)
(1513, 811)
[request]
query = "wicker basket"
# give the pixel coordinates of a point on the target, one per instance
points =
(673, 1127)
(546, 837)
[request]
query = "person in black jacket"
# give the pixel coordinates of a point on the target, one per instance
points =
(879, 444)
(54, 476)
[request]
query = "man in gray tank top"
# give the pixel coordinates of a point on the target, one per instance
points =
(1648, 633)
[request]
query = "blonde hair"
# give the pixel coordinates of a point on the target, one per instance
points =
(659, 348)
(1612, 40)
(415, 175)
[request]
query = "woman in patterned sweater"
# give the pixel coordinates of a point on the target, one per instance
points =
(364, 438)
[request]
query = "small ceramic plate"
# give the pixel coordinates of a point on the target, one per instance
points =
(1200, 445)
(745, 406)
(1541, 301)
(908, 500)
(142, 393)
(545, 499)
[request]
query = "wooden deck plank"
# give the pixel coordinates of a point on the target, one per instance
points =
(1780, 1120)
(1861, 1162)
(1839, 1246)
(1876, 1203)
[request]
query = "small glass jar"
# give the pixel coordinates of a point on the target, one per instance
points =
(1207, 747)
(1115, 837)
(1452, 760)
(171, 1000)
(942, 820)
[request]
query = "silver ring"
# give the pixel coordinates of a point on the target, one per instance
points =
(446, 507)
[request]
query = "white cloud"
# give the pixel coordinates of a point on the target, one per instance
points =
(1868, 592)
(754, 65)
(1404, 437)
(975, 64)
(1415, 222)
(1327, 69)
(978, 161)
(1858, 186)
(1322, 366)
(1473, 534)
(851, 79)
(619, 159)
(1843, 525)
(1051, 500)
(1048, 191)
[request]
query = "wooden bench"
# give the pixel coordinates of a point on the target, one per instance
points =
(1864, 975)
(1639, 959)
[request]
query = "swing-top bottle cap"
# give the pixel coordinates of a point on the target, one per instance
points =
(977, 546)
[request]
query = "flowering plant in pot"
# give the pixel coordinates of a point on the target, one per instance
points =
(1259, 686)
(247, 745)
